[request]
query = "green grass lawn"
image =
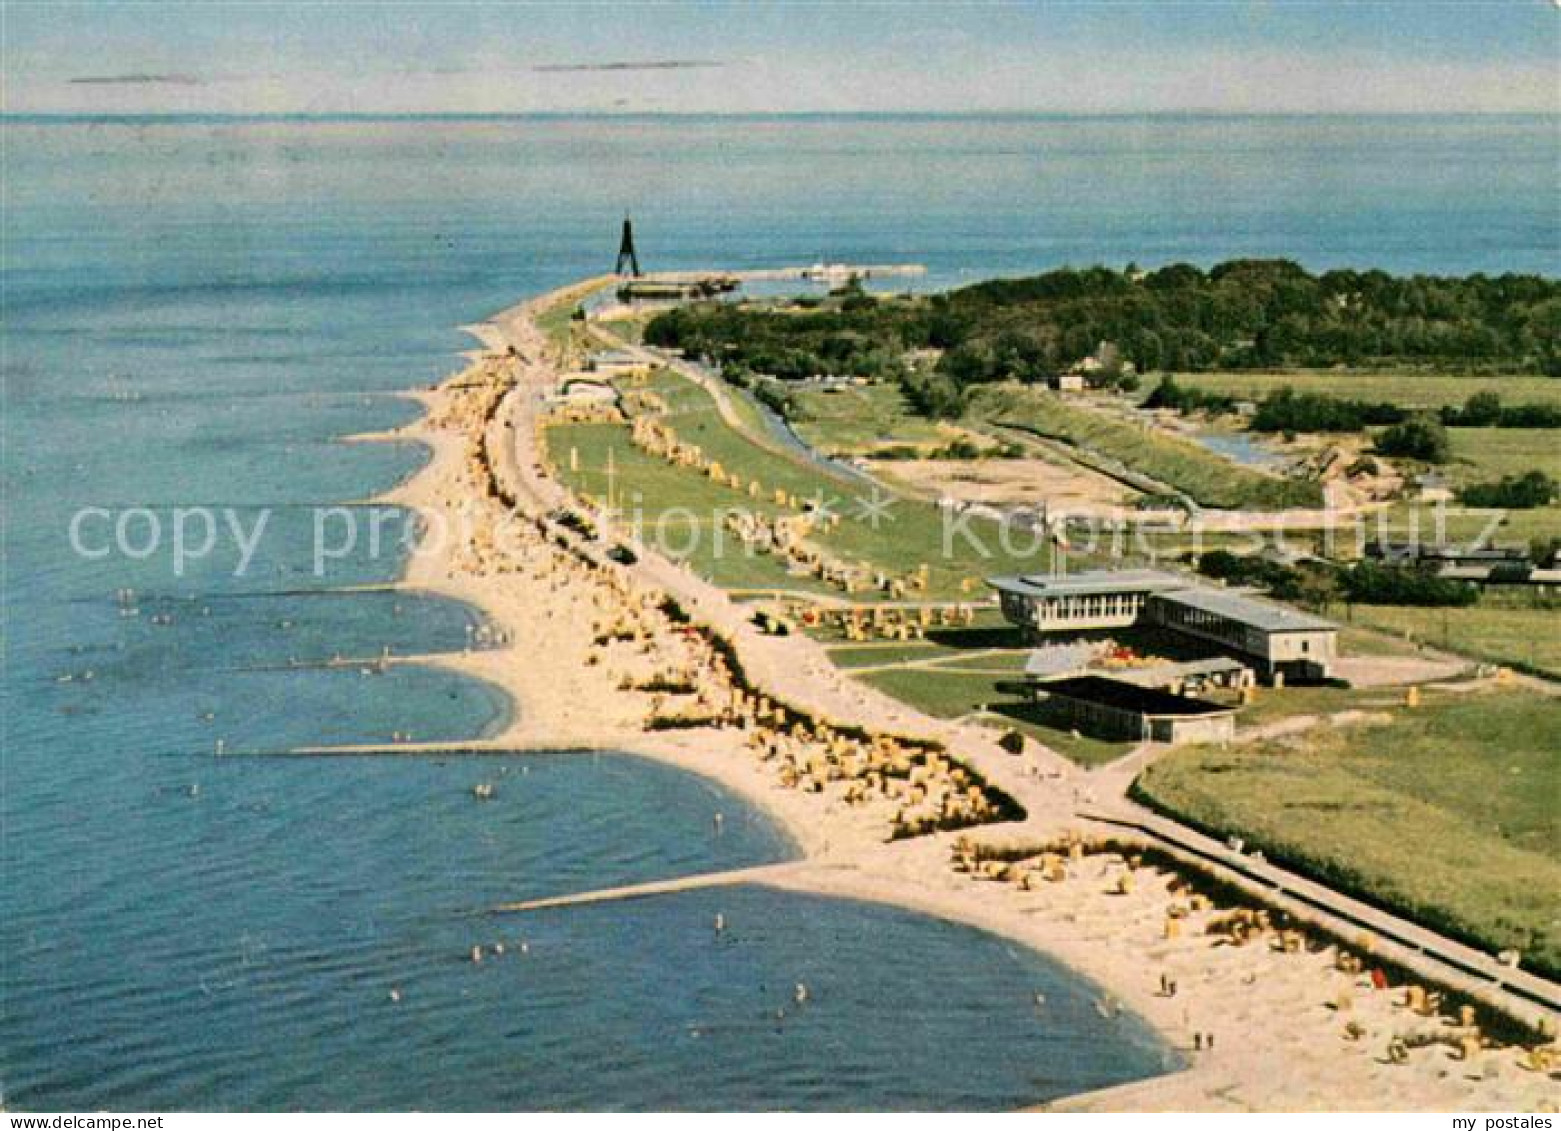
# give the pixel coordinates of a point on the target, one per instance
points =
(940, 693)
(1448, 814)
(1460, 525)
(1039, 721)
(1484, 454)
(848, 656)
(970, 645)
(557, 323)
(861, 418)
(903, 534)
(1209, 479)
(1412, 389)
(1480, 455)
(749, 413)
(1504, 628)
(1011, 663)
(1275, 703)
(958, 670)
(631, 330)
(679, 502)
(642, 487)
(963, 670)
(1359, 640)
(951, 694)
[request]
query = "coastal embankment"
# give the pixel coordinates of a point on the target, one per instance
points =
(602, 644)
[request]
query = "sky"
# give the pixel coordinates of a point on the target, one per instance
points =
(689, 56)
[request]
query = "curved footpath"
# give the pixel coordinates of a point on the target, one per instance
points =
(1292, 1030)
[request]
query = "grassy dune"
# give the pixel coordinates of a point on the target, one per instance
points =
(1447, 814)
(1207, 478)
(673, 507)
(860, 419)
(902, 535)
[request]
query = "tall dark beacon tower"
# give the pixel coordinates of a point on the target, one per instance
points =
(626, 254)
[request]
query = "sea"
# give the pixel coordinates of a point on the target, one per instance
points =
(197, 313)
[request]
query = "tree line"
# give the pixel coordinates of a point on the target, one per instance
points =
(1243, 314)
(1486, 410)
(1251, 313)
(1321, 583)
(1512, 492)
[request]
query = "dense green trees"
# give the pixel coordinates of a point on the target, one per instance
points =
(851, 336)
(1512, 492)
(1419, 437)
(933, 393)
(1485, 410)
(1280, 580)
(1242, 314)
(1285, 410)
(1169, 393)
(1366, 582)
(1268, 313)
(1370, 583)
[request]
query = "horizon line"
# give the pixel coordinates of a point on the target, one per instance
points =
(42, 116)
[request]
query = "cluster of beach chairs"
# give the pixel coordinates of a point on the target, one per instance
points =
(1422, 1017)
(862, 624)
(697, 684)
(925, 789)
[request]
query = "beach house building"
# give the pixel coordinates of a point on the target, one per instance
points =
(1275, 640)
(1115, 710)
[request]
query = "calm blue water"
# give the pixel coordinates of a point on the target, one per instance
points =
(1238, 446)
(197, 312)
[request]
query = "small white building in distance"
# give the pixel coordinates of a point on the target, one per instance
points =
(1276, 640)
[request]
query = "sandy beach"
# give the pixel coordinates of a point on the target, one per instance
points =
(890, 805)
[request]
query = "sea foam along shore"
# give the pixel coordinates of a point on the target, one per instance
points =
(599, 656)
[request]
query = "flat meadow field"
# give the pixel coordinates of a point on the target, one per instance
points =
(1410, 388)
(1446, 812)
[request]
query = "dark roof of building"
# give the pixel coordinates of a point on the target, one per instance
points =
(1128, 697)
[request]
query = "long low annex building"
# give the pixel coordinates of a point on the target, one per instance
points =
(1276, 640)
(1112, 709)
